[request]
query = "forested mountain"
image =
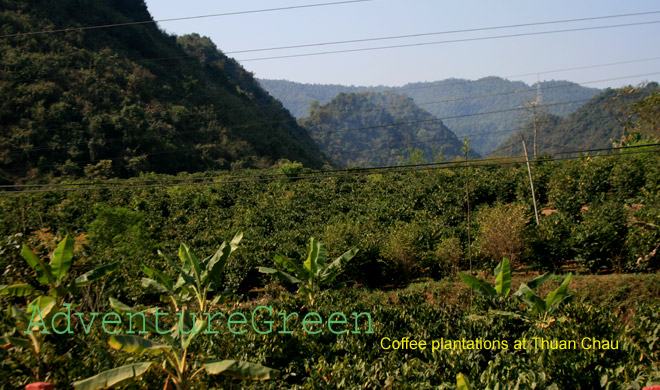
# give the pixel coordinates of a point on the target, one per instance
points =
(460, 103)
(594, 125)
(376, 129)
(123, 100)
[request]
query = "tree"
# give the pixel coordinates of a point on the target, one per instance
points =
(313, 106)
(647, 111)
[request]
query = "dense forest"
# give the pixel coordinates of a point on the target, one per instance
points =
(378, 129)
(455, 101)
(596, 124)
(119, 101)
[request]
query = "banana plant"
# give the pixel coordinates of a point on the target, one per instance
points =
(52, 276)
(313, 273)
(196, 282)
(502, 285)
(540, 310)
(54, 288)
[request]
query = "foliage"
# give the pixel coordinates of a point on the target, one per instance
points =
(45, 306)
(502, 231)
(540, 310)
(313, 273)
(647, 118)
(375, 142)
(86, 103)
(593, 125)
(196, 280)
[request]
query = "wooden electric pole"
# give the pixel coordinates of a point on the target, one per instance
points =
(531, 181)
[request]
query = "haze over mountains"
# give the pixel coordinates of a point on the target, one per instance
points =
(376, 129)
(463, 105)
(596, 124)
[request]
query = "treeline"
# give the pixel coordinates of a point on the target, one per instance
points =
(597, 214)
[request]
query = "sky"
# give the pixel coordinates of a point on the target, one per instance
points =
(534, 56)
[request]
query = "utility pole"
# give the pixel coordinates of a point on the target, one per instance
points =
(531, 182)
(466, 150)
(532, 107)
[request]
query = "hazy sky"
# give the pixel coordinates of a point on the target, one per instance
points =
(503, 57)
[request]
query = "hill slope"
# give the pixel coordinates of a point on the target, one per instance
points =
(592, 126)
(129, 99)
(452, 98)
(356, 129)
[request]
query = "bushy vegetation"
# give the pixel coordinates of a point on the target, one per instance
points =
(354, 129)
(103, 103)
(598, 213)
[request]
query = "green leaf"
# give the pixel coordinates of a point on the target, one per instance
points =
(503, 278)
(282, 275)
(240, 370)
(291, 266)
(200, 326)
(137, 344)
(556, 296)
(47, 307)
(9, 342)
(481, 286)
(188, 257)
(150, 283)
(44, 275)
(122, 308)
(332, 270)
(18, 290)
(233, 244)
(216, 265)
(95, 274)
(537, 281)
(462, 382)
(62, 258)
(163, 280)
(536, 303)
(115, 377)
(310, 264)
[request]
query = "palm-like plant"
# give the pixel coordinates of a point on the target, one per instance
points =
(312, 274)
(47, 300)
(196, 282)
(540, 310)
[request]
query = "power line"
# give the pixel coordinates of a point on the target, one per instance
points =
(283, 121)
(439, 33)
(448, 117)
(402, 146)
(352, 172)
(73, 29)
(406, 144)
(118, 139)
(328, 132)
(450, 41)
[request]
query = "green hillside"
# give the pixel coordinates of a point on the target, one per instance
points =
(356, 129)
(594, 125)
(125, 100)
(452, 98)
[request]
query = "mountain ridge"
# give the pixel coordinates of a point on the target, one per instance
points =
(453, 100)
